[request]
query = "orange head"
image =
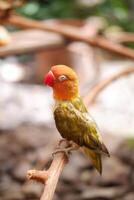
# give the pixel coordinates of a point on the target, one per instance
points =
(64, 82)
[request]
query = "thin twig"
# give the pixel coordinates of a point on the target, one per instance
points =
(40, 176)
(71, 33)
(95, 91)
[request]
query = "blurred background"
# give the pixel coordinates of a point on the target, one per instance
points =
(27, 131)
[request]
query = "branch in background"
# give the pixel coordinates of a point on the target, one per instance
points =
(96, 90)
(121, 37)
(51, 176)
(92, 26)
(71, 33)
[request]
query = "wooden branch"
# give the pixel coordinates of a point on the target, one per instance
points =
(92, 26)
(40, 176)
(30, 41)
(49, 177)
(95, 91)
(55, 170)
(121, 37)
(71, 33)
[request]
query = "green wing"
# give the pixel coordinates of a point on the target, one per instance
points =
(77, 126)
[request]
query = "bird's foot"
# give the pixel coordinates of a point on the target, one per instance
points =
(63, 150)
(66, 150)
(63, 141)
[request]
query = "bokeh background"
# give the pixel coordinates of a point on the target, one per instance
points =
(27, 131)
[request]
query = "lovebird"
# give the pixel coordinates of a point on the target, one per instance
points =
(72, 119)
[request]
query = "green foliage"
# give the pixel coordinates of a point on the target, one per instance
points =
(118, 12)
(49, 9)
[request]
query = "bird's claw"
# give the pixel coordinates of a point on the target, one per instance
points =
(64, 150)
(67, 151)
(63, 140)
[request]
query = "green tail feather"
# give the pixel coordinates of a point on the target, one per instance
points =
(95, 158)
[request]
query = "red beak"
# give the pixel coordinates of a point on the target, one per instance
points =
(49, 79)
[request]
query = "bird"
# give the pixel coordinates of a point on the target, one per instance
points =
(72, 118)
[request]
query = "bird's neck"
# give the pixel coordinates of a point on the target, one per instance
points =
(65, 92)
(76, 102)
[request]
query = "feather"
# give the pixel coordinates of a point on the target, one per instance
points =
(95, 158)
(105, 150)
(74, 123)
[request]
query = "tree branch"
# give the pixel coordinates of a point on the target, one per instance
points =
(40, 176)
(50, 177)
(95, 91)
(71, 33)
(55, 170)
(121, 37)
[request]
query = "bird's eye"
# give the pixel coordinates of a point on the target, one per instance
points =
(62, 78)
